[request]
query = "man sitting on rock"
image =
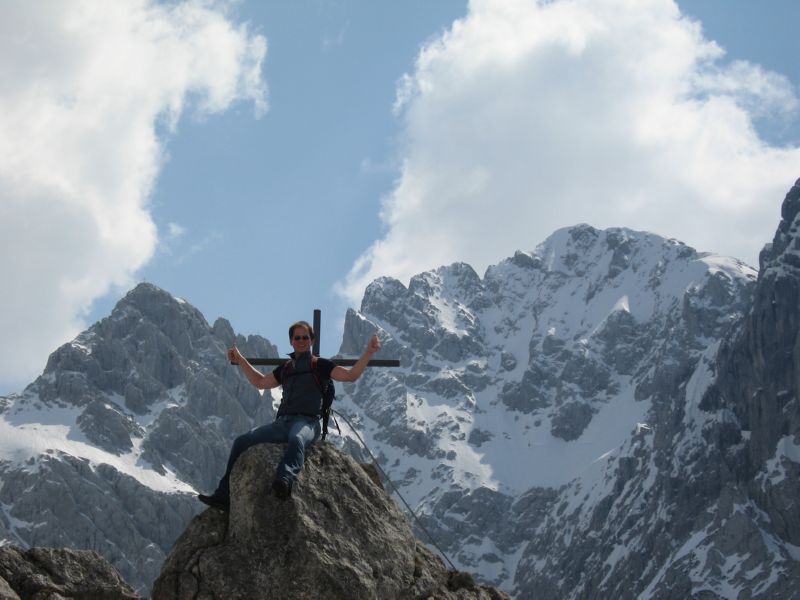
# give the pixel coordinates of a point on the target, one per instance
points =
(298, 420)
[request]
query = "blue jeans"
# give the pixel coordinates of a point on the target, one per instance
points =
(296, 430)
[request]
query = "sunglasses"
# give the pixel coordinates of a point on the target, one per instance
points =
(297, 338)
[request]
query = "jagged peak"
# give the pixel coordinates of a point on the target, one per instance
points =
(454, 275)
(145, 289)
(223, 329)
(783, 254)
(154, 302)
(605, 264)
(571, 249)
(575, 249)
(382, 289)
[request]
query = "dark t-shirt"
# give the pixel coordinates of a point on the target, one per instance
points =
(301, 393)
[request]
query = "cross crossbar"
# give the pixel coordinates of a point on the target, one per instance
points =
(342, 362)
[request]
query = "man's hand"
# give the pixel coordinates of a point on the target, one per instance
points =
(350, 375)
(374, 345)
(234, 355)
(254, 376)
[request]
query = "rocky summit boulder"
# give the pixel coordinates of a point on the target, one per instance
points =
(59, 573)
(340, 535)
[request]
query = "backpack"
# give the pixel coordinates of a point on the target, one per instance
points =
(325, 386)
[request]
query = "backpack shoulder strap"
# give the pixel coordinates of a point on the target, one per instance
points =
(288, 367)
(314, 360)
(328, 394)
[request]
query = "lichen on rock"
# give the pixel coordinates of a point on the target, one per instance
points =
(52, 573)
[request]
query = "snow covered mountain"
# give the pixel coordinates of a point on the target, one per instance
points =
(518, 383)
(611, 414)
(703, 502)
(105, 449)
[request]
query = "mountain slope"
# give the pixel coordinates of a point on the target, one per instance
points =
(515, 384)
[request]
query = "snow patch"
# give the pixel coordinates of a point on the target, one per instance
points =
(28, 432)
(774, 469)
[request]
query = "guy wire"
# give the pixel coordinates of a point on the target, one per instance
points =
(396, 491)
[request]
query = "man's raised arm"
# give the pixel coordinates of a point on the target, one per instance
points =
(254, 376)
(353, 373)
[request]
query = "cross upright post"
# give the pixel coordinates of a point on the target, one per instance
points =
(317, 325)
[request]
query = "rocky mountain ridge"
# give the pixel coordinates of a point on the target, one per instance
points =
(612, 413)
(106, 448)
(560, 356)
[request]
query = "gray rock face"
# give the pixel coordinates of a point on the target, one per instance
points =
(571, 420)
(339, 536)
(59, 573)
(109, 428)
(63, 501)
(149, 406)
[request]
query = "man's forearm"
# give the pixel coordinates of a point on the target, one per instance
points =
(253, 375)
(358, 369)
(352, 374)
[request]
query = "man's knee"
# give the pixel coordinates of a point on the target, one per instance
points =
(297, 441)
(243, 441)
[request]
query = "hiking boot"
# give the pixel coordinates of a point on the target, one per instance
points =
(222, 503)
(281, 488)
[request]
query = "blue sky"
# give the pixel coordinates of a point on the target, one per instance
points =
(295, 195)
(263, 158)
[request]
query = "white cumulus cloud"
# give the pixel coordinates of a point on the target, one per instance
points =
(85, 88)
(527, 116)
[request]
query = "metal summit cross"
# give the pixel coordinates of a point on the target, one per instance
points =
(342, 362)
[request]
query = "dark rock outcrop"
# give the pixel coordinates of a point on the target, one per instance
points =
(339, 536)
(54, 574)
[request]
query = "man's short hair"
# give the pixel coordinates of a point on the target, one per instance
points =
(301, 324)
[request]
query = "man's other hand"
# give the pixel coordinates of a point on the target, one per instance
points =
(374, 344)
(234, 355)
